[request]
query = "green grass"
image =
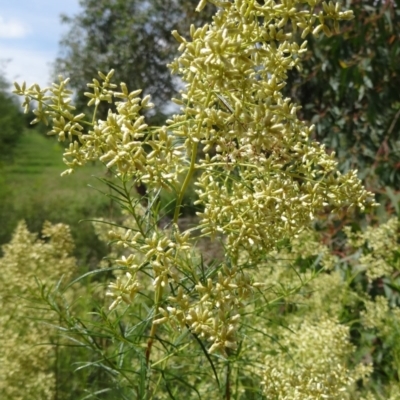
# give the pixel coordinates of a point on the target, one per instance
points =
(31, 188)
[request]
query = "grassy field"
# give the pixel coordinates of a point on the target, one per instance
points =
(31, 188)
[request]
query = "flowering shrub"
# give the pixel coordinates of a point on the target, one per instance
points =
(210, 330)
(28, 351)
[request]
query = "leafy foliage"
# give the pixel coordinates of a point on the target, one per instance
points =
(349, 90)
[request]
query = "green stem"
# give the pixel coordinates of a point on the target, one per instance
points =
(95, 113)
(57, 364)
(192, 166)
(186, 182)
(153, 330)
(228, 381)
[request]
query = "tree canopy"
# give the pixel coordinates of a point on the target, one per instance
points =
(12, 121)
(350, 90)
(133, 37)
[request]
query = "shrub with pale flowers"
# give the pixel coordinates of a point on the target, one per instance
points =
(260, 180)
(29, 345)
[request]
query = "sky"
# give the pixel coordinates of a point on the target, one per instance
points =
(30, 31)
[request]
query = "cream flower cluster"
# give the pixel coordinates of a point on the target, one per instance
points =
(380, 249)
(315, 365)
(262, 178)
(119, 141)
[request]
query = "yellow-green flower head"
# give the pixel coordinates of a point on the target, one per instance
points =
(263, 178)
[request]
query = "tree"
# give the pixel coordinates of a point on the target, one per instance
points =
(12, 121)
(349, 89)
(131, 36)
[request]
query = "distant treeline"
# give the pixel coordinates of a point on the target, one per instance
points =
(12, 120)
